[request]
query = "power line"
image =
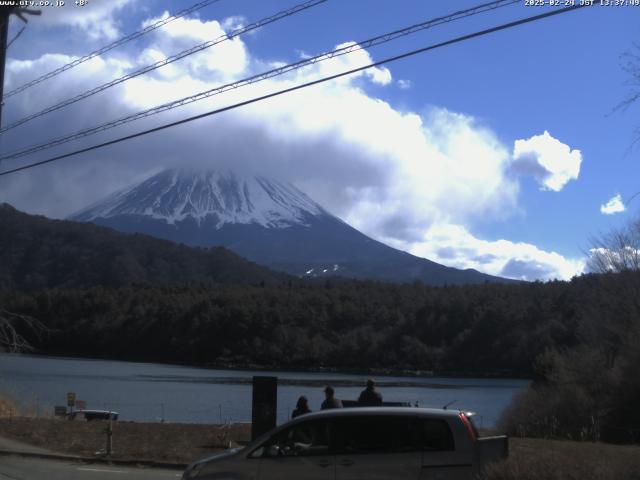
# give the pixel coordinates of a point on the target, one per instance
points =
(173, 58)
(15, 37)
(110, 46)
(262, 76)
(628, 201)
(301, 86)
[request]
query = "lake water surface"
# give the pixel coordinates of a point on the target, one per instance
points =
(151, 392)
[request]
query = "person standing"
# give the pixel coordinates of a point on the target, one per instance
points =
(302, 407)
(330, 400)
(370, 397)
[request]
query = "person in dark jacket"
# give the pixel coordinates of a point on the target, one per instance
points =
(330, 401)
(370, 397)
(302, 407)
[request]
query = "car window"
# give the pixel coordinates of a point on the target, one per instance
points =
(303, 439)
(376, 434)
(436, 435)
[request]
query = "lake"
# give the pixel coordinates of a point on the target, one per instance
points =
(155, 392)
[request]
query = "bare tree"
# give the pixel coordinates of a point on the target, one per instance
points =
(630, 63)
(10, 326)
(616, 251)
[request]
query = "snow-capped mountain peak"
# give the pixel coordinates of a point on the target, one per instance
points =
(266, 221)
(224, 197)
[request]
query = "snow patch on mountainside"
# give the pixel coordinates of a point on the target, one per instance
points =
(224, 197)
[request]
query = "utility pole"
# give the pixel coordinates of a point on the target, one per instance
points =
(5, 13)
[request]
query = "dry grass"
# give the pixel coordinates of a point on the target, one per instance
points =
(538, 459)
(167, 442)
(8, 408)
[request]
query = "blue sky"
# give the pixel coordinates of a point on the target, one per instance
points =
(443, 154)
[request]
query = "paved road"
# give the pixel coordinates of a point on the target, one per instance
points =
(22, 468)
(15, 446)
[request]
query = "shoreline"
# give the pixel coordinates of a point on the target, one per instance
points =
(229, 366)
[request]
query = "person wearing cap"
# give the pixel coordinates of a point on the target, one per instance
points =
(330, 401)
(370, 397)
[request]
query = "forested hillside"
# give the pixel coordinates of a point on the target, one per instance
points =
(36, 253)
(480, 330)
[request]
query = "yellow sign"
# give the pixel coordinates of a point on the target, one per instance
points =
(71, 399)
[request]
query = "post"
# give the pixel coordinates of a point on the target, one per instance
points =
(264, 407)
(162, 413)
(110, 435)
(5, 13)
(71, 401)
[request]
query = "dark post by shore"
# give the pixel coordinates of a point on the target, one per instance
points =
(265, 405)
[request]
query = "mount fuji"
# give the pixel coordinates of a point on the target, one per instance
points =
(267, 221)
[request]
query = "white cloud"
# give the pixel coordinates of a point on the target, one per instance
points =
(223, 62)
(405, 84)
(389, 172)
(96, 19)
(614, 205)
(550, 161)
(19, 72)
(455, 246)
(235, 23)
(355, 59)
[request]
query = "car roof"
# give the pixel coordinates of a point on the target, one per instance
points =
(375, 411)
(105, 412)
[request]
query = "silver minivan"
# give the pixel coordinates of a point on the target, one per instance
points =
(379, 443)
